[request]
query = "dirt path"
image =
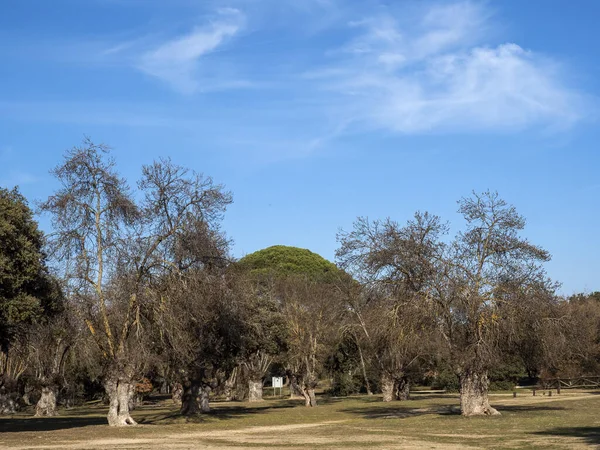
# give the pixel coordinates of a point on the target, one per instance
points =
(288, 436)
(332, 434)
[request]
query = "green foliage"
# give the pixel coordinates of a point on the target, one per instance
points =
(345, 384)
(343, 364)
(506, 376)
(283, 261)
(27, 291)
(446, 379)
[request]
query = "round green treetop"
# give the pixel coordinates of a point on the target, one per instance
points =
(282, 260)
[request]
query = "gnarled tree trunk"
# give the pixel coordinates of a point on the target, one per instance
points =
(134, 399)
(118, 391)
(230, 384)
(189, 398)
(402, 386)
(255, 390)
(46, 405)
(177, 393)
(204, 399)
(256, 367)
(310, 399)
(387, 387)
(474, 394)
(295, 390)
(8, 405)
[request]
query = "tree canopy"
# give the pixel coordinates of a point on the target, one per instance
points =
(27, 291)
(283, 261)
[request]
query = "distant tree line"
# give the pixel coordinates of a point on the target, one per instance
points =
(134, 290)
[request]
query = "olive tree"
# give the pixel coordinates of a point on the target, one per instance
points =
(110, 246)
(467, 296)
(395, 265)
(200, 317)
(463, 283)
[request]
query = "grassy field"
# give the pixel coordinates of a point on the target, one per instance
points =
(429, 420)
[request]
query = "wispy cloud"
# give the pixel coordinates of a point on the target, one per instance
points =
(433, 72)
(179, 62)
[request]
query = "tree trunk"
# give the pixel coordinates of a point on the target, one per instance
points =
(189, 399)
(255, 390)
(364, 372)
(312, 397)
(230, 383)
(474, 394)
(204, 399)
(133, 397)
(7, 404)
(118, 391)
(46, 405)
(310, 400)
(177, 393)
(387, 387)
(295, 390)
(403, 389)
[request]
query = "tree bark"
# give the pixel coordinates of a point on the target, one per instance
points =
(133, 397)
(204, 399)
(189, 398)
(387, 387)
(7, 404)
(474, 394)
(255, 390)
(295, 390)
(403, 389)
(118, 391)
(230, 384)
(310, 399)
(364, 371)
(46, 405)
(177, 394)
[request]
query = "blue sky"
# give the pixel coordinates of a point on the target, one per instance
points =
(314, 112)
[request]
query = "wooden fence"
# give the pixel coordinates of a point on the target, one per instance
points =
(571, 383)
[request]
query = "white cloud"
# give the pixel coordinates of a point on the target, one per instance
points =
(179, 63)
(433, 72)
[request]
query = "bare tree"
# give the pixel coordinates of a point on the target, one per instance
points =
(311, 311)
(467, 297)
(263, 334)
(462, 283)
(103, 237)
(395, 264)
(49, 345)
(201, 323)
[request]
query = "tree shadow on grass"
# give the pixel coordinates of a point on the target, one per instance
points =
(146, 415)
(591, 435)
(399, 411)
(528, 408)
(223, 411)
(21, 424)
(394, 412)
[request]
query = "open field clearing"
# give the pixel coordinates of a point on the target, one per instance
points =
(427, 421)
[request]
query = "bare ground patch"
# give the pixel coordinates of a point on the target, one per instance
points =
(284, 436)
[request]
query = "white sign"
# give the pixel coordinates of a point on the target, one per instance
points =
(277, 382)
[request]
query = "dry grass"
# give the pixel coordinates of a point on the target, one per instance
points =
(429, 420)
